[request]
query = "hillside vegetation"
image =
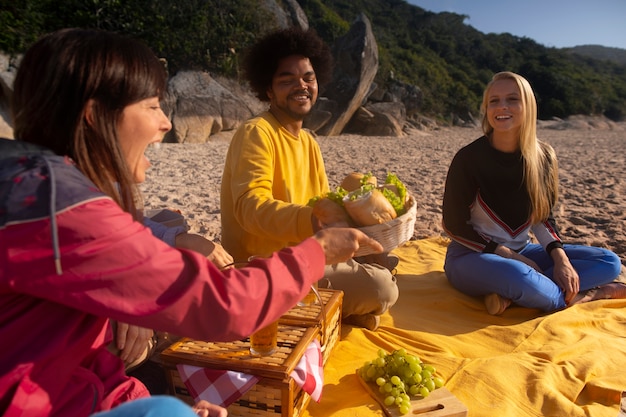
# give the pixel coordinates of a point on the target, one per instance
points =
(617, 55)
(448, 60)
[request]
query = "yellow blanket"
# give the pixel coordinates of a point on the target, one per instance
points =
(565, 364)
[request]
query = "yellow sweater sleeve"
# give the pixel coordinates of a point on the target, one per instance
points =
(269, 177)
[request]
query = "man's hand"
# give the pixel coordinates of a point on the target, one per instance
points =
(340, 244)
(327, 213)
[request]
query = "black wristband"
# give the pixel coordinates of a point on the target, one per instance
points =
(553, 245)
(490, 247)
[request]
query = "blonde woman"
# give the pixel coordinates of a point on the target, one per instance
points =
(499, 189)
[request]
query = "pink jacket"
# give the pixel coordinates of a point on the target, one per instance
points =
(71, 258)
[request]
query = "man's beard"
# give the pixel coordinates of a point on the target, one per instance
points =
(297, 115)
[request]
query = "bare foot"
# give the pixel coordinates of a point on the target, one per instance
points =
(496, 304)
(612, 290)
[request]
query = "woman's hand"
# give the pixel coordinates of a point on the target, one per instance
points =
(132, 341)
(511, 254)
(206, 409)
(219, 256)
(341, 243)
(565, 275)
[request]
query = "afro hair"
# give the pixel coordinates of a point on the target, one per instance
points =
(262, 59)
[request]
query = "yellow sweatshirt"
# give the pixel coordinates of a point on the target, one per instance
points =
(269, 177)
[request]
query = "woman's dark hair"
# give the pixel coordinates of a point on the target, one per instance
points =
(262, 59)
(70, 69)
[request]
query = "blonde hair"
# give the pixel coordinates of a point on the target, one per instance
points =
(541, 175)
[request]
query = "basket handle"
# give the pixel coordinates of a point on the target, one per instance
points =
(323, 308)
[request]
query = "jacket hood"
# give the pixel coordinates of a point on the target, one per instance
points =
(35, 184)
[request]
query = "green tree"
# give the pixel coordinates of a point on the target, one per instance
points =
(448, 60)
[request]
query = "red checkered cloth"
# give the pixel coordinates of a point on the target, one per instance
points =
(225, 387)
(215, 386)
(309, 373)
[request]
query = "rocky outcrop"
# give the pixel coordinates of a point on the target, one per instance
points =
(398, 92)
(378, 119)
(321, 113)
(199, 106)
(356, 64)
(581, 122)
(6, 130)
(290, 14)
(7, 75)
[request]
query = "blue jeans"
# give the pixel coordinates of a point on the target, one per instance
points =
(477, 274)
(157, 406)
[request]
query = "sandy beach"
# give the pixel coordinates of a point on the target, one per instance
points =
(591, 209)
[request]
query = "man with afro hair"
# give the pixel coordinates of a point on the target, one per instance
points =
(274, 167)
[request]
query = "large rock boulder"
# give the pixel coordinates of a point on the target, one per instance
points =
(581, 122)
(287, 14)
(7, 75)
(6, 125)
(6, 129)
(356, 64)
(321, 113)
(199, 106)
(378, 119)
(296, 14)
(398, 92)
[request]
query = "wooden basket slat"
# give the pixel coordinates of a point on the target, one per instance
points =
(276, 394)
(236, 356)
(330, 324)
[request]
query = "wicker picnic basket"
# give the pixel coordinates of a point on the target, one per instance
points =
(393, 233)
(276, 394)
(326, 315)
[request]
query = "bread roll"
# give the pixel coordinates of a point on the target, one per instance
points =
(369, 208)
(353, 181)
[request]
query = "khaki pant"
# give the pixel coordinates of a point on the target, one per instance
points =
(367, 288)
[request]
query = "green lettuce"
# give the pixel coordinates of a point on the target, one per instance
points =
(398, 198)
(336, 196)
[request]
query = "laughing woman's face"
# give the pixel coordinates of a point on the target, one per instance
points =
(141, 124)
(505, 110)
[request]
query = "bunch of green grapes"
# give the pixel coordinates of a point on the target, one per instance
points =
(400, 375)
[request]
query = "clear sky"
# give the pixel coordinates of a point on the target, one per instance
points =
(552, 23)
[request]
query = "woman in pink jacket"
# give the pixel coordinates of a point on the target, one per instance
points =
(74, 252)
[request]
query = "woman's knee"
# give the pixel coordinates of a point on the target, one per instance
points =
(614, 262)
